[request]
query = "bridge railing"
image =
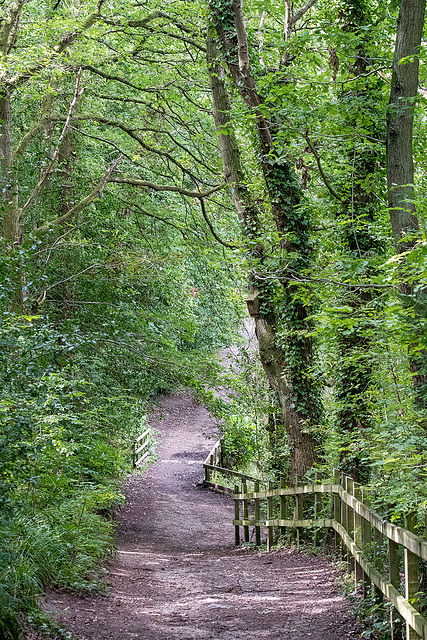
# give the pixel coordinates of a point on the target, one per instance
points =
(384, 555)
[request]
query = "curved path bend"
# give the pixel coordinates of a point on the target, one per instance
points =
(178, 576)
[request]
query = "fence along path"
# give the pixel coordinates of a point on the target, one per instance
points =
(343, 505)
(141, 448)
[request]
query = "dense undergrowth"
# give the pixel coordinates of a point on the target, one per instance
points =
(76, 388)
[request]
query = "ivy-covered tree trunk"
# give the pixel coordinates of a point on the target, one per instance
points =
(358, 213)
(400, 163)
(282, 327)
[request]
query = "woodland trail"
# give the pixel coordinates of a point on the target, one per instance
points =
(178, 576)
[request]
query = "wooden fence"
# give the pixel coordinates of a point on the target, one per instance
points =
(384, 556)
(214, 470)
(141, 448)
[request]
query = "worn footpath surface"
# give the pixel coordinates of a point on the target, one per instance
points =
(178, 576)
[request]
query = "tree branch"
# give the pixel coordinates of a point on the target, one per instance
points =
(83, 203)
(8, 23)
(158, 187)
(135, 207)
(77, 94)
(37, 128)
(299, 14)
(65, 42)
(297, 277)
(131, 133)
(212, 230)
(319, 166)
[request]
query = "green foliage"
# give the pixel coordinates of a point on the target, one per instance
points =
(132, 295)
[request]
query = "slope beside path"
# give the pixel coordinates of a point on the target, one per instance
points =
(178, 576)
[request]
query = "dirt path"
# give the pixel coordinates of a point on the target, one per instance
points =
(177, 575)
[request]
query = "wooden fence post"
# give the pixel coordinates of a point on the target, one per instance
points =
(299, 511)
(270, 532)
(378, 542)
(366, 539)
(411, 574)
(257, 517)
(316, 509)
(245, 512)
(283, 506)
(236, 516)
(209, 471)
(337, 507)
(358, 539)
(394, 577)
(350, 519)
(344, 514)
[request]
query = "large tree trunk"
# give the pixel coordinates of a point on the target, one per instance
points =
(12, 232)
(400, 120)
(400, 162)
(12, 220)
(287, 367)
(358, 214)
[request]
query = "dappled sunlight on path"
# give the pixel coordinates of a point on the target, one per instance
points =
(177, 575)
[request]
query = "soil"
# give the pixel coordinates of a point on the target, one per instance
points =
(177, 574)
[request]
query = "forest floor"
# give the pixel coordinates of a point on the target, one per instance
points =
(177, 574)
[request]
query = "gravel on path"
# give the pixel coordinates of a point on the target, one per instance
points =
(178, 576)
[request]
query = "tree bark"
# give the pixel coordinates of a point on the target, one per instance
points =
(358, 214)
(400, 164)
(400, 120)
(289, 378)
(12, 219)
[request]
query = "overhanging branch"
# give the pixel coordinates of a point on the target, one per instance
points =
(83, 203)
(159, 187)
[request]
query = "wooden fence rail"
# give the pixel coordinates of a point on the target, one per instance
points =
(140, 448)
(359, 531)
(214, 464)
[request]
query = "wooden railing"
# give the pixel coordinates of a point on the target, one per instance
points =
(343, 506)
(214, 470)
(359, 531)
(141, 448)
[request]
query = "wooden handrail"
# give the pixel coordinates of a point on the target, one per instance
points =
(397, 534)
(212, 463)
(353, 521)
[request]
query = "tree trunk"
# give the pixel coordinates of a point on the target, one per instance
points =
(12, 216)
(287, 367)
(12, 221)
(358, 214)
(400, 164)
(400, 120)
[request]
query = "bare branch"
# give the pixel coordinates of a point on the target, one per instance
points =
(212, 230)
(96, 193)
(131, 133)
(260, 38)
(65, 42)
(75, 275)
(176, 36)
(299, 14)
(137, 208)
(158, 187)
(319, 165)
(152, 16)
(108, 76)
(77, 94)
